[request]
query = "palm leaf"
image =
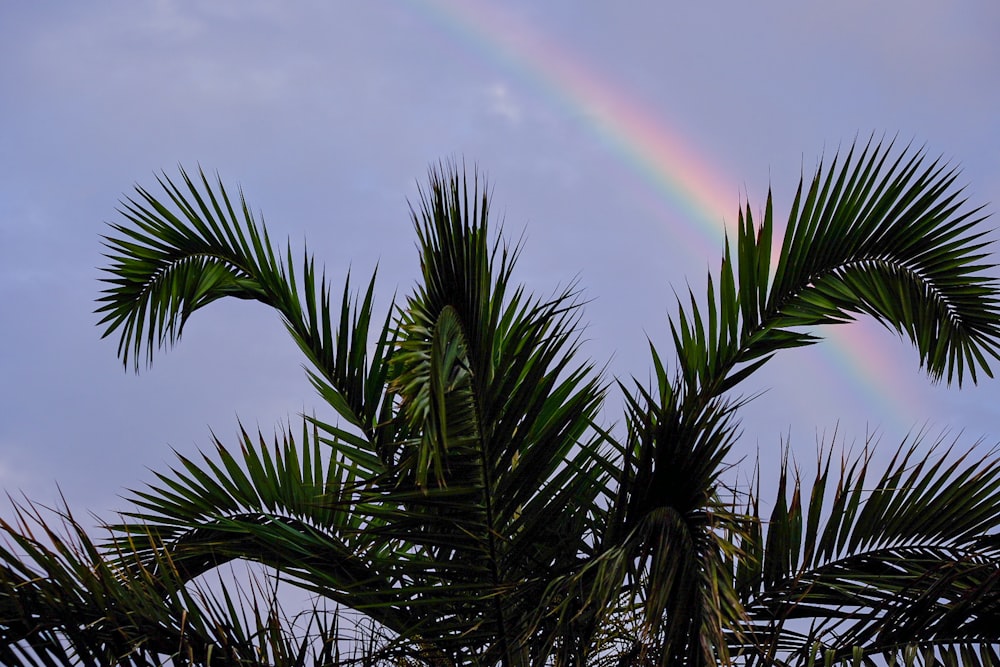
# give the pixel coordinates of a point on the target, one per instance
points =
(170, 262)
(886, 238)
(907, 560)
(65, 600)
(484, 376)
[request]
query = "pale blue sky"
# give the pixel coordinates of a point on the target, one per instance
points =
(328, 113)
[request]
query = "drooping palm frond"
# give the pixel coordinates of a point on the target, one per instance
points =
(878, 236)
(905, 563)
(178, 256)
(286, 505)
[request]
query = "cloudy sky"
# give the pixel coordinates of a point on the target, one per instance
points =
(619, 143)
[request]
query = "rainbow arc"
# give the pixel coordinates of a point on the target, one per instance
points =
(678, 174)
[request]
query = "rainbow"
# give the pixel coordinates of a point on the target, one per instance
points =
(678, 174)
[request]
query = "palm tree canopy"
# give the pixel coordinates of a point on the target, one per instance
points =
(466, 494)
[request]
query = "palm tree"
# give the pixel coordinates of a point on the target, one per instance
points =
(467, 497)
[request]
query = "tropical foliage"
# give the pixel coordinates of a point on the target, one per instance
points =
(468, 495)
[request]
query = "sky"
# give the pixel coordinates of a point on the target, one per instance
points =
(618, 145)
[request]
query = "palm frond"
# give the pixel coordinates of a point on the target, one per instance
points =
(178, 256)
(286, 505)
(64, 600)
(889, 238)
(907, 560)
(484, 376)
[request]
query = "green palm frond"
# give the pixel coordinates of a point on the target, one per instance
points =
(484, 375)
(64, 600)
(876, 236)
(287, 505)
(171, 262)
(671, 491)
(908, 559)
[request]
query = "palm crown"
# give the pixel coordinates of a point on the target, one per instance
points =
(467, 497)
